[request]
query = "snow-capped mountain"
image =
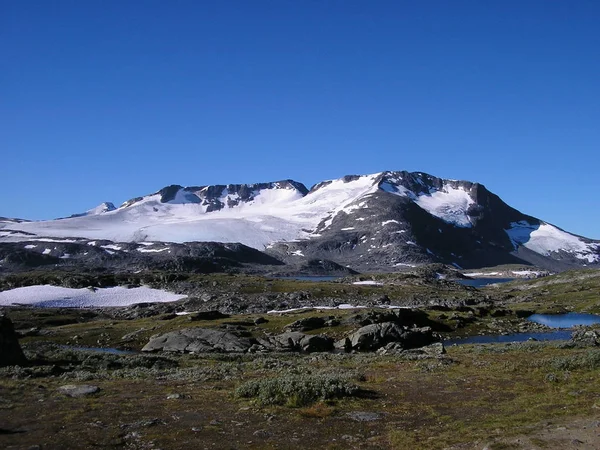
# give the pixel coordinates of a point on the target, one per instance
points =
(377, 221)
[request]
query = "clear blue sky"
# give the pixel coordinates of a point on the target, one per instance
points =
(108, 100)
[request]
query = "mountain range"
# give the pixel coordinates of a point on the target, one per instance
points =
(377, 222)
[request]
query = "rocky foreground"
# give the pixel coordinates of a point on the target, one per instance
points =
(194, 373)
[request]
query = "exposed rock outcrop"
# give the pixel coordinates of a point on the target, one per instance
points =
(11, 353)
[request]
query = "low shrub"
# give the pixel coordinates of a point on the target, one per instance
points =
(296, 390)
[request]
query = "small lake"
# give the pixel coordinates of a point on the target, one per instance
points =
(112, 351)
(568, 320)
(481, 282)
(562, 335)
(562, 322)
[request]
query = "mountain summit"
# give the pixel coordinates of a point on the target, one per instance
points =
(375, 221)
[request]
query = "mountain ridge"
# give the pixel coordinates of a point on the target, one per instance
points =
(376, 221)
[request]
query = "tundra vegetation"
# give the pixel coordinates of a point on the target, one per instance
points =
(373, 377)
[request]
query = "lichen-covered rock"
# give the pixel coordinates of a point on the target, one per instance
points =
(587, 337)
(199, 340)
(375, 336)
(11, 353)
(294, 341)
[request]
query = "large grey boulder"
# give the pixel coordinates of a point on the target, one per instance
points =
(199, 340)
(375, 336)
(299, 342)
(11, 353)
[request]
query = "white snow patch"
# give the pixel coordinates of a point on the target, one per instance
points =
(152, 250)
(112, 247)
(386, 222)
(347, 229)
(546, 239)
(61, 297)
(54, 240)
(297, 253)
(46, 252)
(368, 283)
(29, 247)
(449, 204)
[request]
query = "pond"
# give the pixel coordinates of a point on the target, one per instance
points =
(568, 320)
(112, 351)
(481, 282)
(563, 323)
(516, 337)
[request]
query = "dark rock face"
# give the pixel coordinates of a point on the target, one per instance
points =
(199, 257)
(213, 196)
(307, 324)
(10, 350)
(199, 340)
(207, 315)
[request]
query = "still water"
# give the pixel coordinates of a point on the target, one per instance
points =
(562, 322)
(480, 282)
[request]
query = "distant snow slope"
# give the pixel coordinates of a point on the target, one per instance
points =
(546, 239)
(61, 297)
(274, 215)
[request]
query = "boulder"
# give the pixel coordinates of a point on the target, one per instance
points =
(307, 324)
(11, 353)
(207, 315)
(199, 340)
(375, 336)
(298, 342)
(587, 337)
(78, 390)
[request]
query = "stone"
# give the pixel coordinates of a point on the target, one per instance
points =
(364, 416)
(306, 324)
(207, 315)
(199, 340)
(260, 320)
(78, 390)
(11, 353)
(299, 342)
(587, 337)
(376, 336)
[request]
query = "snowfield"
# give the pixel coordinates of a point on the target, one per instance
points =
(60, 297)
(275, 215)
(546, 239)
